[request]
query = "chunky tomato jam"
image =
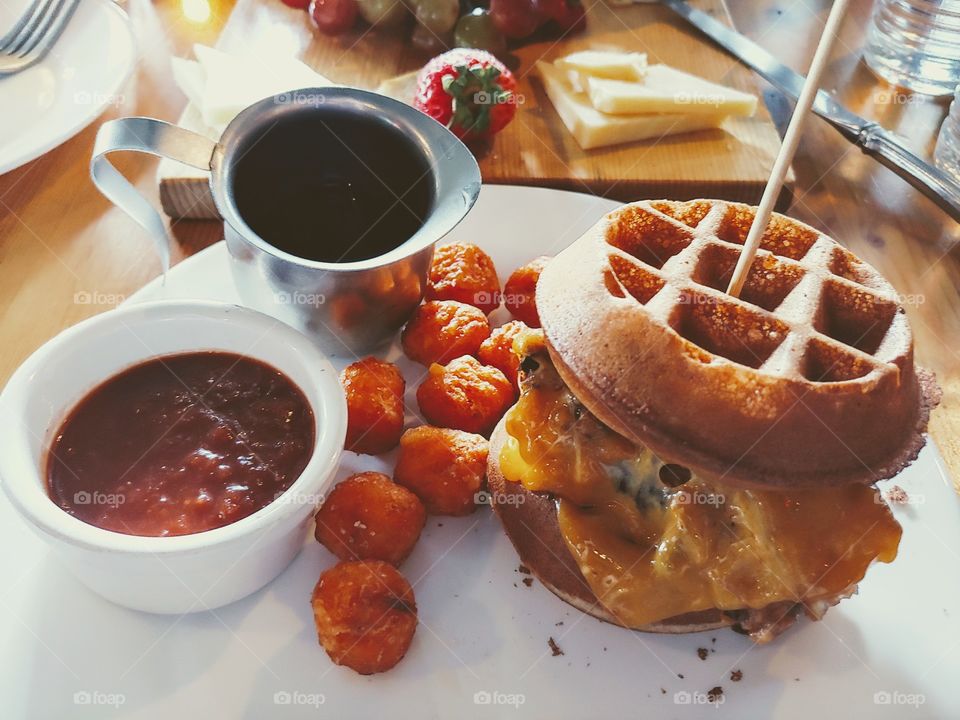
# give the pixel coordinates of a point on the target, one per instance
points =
(181, 444)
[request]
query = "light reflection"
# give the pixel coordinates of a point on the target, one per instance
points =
(197, 11)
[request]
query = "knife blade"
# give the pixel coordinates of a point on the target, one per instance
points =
(869, 136)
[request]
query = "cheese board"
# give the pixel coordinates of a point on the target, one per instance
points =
(732, 162)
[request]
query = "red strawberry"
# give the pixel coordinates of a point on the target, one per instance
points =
(469, 91)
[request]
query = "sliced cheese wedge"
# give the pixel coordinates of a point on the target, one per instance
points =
(402, 87)
(666, 89)
(609, 64)
(593, 129)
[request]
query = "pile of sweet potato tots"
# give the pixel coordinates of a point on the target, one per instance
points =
(364, 609)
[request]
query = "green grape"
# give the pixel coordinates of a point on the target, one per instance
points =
(382, 13)
(437, 16)
(476, 30)
(429, 42)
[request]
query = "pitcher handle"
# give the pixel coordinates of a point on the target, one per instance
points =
(155, 137)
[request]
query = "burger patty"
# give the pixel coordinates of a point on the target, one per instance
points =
(531, 521)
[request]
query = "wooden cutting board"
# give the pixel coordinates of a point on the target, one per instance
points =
(535, 149)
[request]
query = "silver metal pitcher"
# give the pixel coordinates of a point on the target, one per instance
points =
(351, 306)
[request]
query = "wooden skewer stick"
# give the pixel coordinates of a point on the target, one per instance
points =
(789, 147)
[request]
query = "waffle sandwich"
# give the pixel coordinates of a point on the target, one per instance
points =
(681, 459)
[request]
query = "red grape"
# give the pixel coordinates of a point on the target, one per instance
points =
(571, 16)
(333, 17)
(548, 9)
(298, 4)
(515, 18)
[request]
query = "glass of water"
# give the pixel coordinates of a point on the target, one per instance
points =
(947, 153)
(916, 44)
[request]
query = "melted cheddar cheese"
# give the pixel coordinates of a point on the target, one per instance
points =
(650, 551)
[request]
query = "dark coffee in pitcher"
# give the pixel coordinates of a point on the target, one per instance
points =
(333, 187)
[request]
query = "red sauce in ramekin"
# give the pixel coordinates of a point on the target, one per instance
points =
(181, 444)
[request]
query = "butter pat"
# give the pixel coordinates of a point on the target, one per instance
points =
(236, 82)
(629, 66)
(592, 128)
(668, 90)
(220, 85)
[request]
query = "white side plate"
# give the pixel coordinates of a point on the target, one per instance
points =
(49, 103)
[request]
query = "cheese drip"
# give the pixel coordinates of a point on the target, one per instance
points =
(650, 551)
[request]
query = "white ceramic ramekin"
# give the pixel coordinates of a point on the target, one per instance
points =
(166, 574)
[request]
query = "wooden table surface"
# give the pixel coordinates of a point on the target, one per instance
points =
(66, 253)
(732, 162)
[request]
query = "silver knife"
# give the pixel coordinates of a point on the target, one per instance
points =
(871, 138)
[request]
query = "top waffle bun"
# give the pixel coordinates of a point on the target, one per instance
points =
(807, 379)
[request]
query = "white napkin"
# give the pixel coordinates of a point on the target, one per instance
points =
(219, 85)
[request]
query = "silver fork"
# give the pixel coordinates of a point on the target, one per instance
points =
(34, 34)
